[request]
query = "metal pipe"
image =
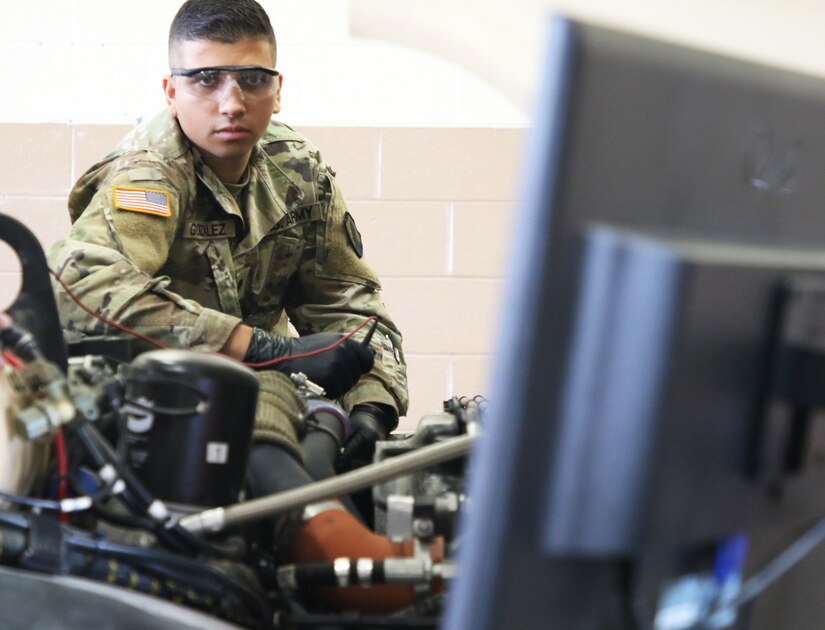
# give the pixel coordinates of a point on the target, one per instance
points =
(216, 519)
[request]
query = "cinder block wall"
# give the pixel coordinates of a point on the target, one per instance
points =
(434, 205)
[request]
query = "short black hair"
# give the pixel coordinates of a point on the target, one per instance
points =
(224, 21)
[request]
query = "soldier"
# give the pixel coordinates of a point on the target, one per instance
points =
(208, 223)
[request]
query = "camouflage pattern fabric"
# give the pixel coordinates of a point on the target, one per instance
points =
(194, 264)
(278, 412)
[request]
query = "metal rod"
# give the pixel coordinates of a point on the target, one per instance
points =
(219, 518)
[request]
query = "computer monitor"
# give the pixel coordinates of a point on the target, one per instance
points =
(653, 420)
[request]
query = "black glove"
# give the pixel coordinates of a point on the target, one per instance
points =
(336, 370)
(369, 423)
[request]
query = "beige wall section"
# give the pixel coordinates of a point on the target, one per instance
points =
(434, 206)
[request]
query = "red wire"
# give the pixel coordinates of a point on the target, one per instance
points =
(159, 344)
(313, 352)
(62, 469)
(17, 363)
(13, 360)
(103, 318)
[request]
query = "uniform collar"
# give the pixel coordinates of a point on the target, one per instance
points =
(265, 202)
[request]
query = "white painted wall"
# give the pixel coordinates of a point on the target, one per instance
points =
(503, 41)
(101, 61)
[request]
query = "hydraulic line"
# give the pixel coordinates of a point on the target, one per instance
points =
(362, 572)
(73, 504)
(217, 519)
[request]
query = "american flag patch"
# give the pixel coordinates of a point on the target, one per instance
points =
(143, 200)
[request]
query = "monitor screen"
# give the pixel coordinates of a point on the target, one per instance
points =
(653, 446)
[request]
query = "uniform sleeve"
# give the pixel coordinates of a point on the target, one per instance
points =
(337, 291)
(112, 254)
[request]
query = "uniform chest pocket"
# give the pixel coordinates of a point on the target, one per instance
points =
(199, 272)
(279, 259)
(185, 251)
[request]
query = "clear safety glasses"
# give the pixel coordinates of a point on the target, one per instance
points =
(215, 82)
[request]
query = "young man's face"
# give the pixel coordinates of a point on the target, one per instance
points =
(226, 127)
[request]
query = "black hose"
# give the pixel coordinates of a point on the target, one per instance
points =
(272, 469)
(321, 445)
(135, 495)
(321, 449)
(157, 580)
(21, 342)
(186, 570)
(130, 521)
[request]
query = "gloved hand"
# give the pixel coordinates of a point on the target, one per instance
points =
(336, 370)
(369, 423)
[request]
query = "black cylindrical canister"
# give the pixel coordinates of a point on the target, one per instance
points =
(187, 425)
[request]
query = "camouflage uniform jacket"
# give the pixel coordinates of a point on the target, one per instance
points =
(184, 264)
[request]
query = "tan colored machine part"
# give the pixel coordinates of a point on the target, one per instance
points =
(22, 463)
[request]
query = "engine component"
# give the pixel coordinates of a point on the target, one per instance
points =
(41, 544)
(363, 572)
(217, 519)
(427, 502)
(21, 462)
(188, 420)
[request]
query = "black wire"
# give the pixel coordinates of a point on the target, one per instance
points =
(14, 519)
(105, 492)
(182, 534)
(136, 495)
(49, 504)
(131, 521)
(43, 504)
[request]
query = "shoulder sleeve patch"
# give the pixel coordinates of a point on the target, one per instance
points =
(144, 200)
(353, 235)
